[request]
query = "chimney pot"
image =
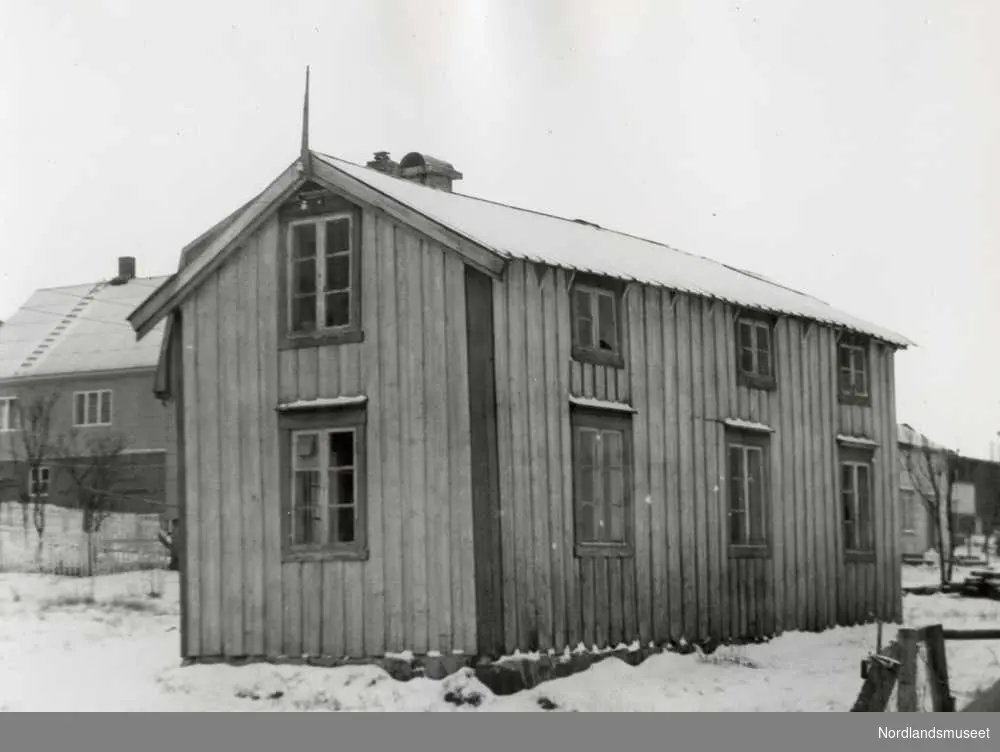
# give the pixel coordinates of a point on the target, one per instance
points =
(126, 270)
(382, 163)
(429, 171)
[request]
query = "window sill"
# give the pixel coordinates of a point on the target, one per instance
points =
(603, 551)
(909, 532)
(860, 557)
(597, 358)
(324, 554)
(297, 341)
(93, 425)
(749, 552)
(753, 381)
(854, 399)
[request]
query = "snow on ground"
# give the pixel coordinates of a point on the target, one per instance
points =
(930, 574)
(112, 644)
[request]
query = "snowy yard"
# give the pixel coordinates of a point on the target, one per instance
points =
(112, 643)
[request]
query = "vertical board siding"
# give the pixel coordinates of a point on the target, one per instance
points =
(416, 590)
(680, 377)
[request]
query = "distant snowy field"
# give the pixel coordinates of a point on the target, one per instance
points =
(112, 644)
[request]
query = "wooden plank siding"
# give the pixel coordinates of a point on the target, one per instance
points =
(470, 484)
(416, 590)
(680, 379)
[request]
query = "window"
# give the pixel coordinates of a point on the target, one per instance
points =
(92, 408)
(10, 415)
(597, 325)
(748, 490)
(755, 352)
(323, 278)
(39, 481)
(856, 501)
(909, 511)
(602, 492)
(325, 513)
(852, 368)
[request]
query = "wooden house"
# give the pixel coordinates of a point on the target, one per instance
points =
(417, 420)
(74, 345)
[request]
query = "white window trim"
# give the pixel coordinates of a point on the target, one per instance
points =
(42, 470)
(86, 409)
(320, 222)
(7, 425)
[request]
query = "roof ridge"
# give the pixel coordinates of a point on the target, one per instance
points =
(599, 228)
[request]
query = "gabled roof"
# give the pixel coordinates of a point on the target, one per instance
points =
(506, 232)
(78, 329)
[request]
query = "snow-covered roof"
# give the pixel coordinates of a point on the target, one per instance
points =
(82, 328)
(909, 436)
(512, 232)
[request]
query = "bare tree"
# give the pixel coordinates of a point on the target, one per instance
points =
(33, 448)
(933, 470)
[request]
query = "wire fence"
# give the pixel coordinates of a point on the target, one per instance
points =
(125, 542)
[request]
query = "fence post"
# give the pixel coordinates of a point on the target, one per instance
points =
(907, 697)
(937, 667)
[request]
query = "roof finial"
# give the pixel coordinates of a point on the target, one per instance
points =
(305, 156)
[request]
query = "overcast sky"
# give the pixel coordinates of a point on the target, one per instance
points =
(847, 149)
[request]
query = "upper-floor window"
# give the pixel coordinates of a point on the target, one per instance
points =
(856, 501)
(39, 479)
(602, 489)
(92, 408)
(852, 371)
(755, 352)
(597, 321)
(10, 415)
(323, 277)
(748, 492)
(325, 477)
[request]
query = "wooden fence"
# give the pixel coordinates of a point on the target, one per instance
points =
(125, 542)
(895, 668)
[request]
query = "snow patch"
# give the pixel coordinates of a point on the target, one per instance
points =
(597, 404)
(324, 402)
(747, 425)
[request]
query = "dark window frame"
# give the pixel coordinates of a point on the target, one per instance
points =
(857, 548)
(40, 477)
(591, 419)
(324, 420)
(598, 286)
(354, 331)
(847, 390)
(754, 379)
(758, 441)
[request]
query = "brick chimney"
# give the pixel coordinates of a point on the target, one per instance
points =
(126, 270)
(429, 171)
(383, 163)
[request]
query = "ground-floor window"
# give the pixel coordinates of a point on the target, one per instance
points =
(748, 489)
(602, 490)
(324, 478)
(856, 500)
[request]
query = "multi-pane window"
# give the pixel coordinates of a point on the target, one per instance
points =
(602, 494)
(10, 416)
(852, 371)
(326, 504)
(747, 463)
(92, 408)
(597, 331)
(39, 481)
(755, 354)
(856, 500)
(322, 278)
